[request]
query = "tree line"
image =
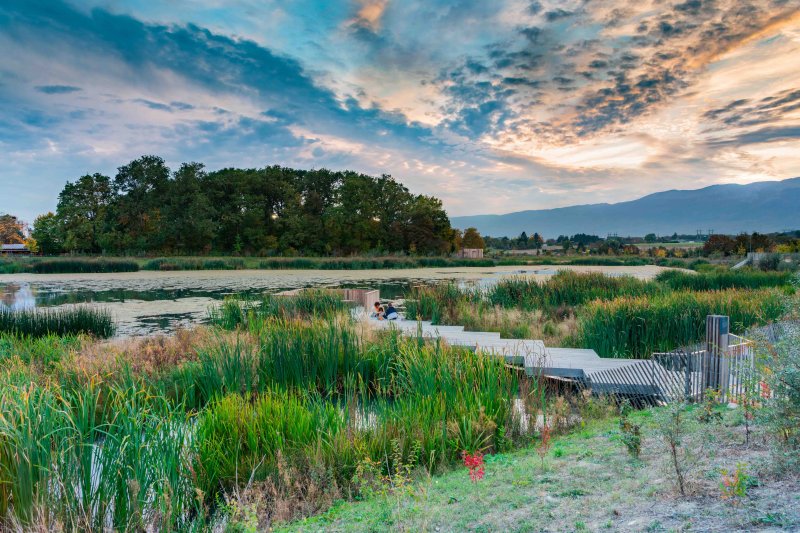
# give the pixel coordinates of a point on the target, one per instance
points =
(149, 208)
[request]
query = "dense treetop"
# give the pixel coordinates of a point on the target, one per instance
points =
(148, 208)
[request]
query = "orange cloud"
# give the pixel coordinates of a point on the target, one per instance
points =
(370, 14)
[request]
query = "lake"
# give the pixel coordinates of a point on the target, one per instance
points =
(146, 303)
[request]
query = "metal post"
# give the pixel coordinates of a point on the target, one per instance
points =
(715, 366)
(687, 375)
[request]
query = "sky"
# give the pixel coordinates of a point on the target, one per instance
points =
(492, 106)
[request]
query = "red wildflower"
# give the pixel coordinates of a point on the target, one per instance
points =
(475, 465)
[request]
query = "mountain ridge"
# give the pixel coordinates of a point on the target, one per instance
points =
(763, 206)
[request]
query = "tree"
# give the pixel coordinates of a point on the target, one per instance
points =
(190, 228)
(148, 208)
(522, 240)
(650, 237)
(141, 188)
(49, 233)
(12, 230)
(81, 210)
(538, 241)
(719, 244)
(472, 239)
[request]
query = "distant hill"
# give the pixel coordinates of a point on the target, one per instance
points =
(764, 206)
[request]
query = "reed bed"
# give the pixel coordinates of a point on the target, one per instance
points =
(287, 403)
(640, 325)
(566, 288)
(241, 310)
(176, 263)
(82, 266)
(93, 459)
(723, 279)
(57, 321)
(435, 403)
(371, 263)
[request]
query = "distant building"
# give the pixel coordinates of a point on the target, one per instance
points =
(14, 249)
(471, 253)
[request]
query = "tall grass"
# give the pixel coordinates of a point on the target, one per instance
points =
(640, 325)
(442, 401)
(179, 263)
(723, 279)
(93, 459)
(57, 321)
(82, 266)
(566, 288)
(240, 310)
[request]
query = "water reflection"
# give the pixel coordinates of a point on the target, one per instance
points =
(17, 296)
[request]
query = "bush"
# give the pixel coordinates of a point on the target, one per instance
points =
(782, 388)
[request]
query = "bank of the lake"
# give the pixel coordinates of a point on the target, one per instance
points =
(147, 302)
(88, 264)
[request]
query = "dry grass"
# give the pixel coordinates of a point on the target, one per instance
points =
(146, 355)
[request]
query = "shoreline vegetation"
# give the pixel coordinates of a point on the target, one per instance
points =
(100, 264)
(159, 433)
(284, 408)
(616, 316)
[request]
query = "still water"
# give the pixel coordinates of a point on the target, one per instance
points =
(145, 303)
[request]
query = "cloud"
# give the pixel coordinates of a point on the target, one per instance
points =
(769, 109)
(534, 103)
(57, 89)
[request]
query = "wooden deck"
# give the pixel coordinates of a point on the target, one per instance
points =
(644, 381)
(532, 354)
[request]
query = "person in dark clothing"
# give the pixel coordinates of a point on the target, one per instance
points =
(390, 313)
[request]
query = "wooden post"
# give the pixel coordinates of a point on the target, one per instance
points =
(715, 366)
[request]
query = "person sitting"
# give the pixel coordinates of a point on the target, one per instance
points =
(377, 311)
(390, 313)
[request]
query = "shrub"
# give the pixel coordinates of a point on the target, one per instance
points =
(672, 427)
(631, 434)
(733, 485)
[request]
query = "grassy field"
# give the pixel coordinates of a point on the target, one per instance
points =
(590, 483)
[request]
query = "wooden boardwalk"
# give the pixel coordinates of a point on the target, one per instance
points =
(533, 355)
(663, 378)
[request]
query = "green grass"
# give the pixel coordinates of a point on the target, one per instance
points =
(279, 396)
(130, 264)
(59, 321)
(241, 310)
(723, 279)
(588, 483)
(639, 325)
